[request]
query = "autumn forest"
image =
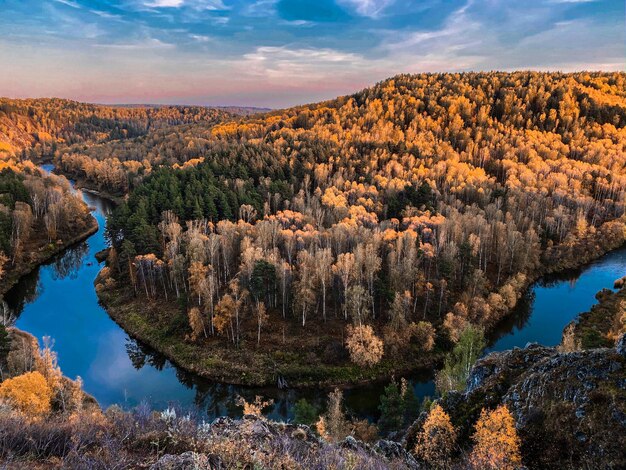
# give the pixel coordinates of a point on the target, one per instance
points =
(352, 241)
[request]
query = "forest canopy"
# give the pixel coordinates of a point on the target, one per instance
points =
(398, 216)
(410, 210)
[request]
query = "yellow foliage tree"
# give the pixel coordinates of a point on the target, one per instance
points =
(437, 439)
(496, 443)
(365, 348)
(255, 407)
(196, 323)
(333, 426)
(28, 393)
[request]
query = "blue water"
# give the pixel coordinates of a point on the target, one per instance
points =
(59, 300)
(556, 300)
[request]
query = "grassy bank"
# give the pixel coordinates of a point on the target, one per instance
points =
(601, 325)
(40, 250)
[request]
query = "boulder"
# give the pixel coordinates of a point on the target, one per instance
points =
(188, 461)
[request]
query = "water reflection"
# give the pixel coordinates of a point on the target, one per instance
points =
(556, 300)
(70, 262)
(24, 292)
(517, 321)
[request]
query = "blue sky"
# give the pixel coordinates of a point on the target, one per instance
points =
(283, 52)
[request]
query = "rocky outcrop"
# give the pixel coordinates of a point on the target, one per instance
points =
(621, 345)
(257, 442)
(187, 461)
(570, 408)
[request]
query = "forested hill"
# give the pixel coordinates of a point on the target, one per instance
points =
(236, 110)
(45, 125)
(411, 209)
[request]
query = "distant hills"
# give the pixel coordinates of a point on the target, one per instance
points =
(238, 110)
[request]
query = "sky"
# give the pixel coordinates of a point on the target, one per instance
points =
(279, 53)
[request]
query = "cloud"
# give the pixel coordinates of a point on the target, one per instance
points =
(200, 38)
(454, 46)
(283, 52)
(69, 3)
(495, 34)
(303, 63)
(145, 44)
(260, 9)
(370, 8)
(165, 3)
(107, 15)
(195, 4)
(297, 23)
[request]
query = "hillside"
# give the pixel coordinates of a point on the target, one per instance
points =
(569, 407)
(371, 229)
(41, 126)
(385, 221)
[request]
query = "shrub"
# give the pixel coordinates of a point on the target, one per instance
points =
(496, 442)
(304, 413)
(459, 362)
(437, 440)
(365, 348)
(29, 393)
(334, 426)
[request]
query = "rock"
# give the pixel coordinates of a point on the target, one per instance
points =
(259, 437)
(102, 255)
(187, 461)
(621, 345)
(392, 450)
(352, 444)
(570, 408)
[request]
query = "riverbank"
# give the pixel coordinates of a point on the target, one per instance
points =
(85, 185)
(27, 356)
(602, 324)
(301, 361)
(570, 257)
(41, 250)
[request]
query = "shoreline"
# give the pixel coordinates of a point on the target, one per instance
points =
(12, 277)
(83, 185)
(427, 364)
(131, 320)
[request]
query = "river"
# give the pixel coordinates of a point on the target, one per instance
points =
(58, 300)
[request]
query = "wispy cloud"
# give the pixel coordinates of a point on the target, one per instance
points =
(515, 36)
(260, 9)
(107, 15)
(145, 44)
(69, 3)
(371, 8)
(164, 3)
(196, 4)
(200, 37)
(304, 63)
